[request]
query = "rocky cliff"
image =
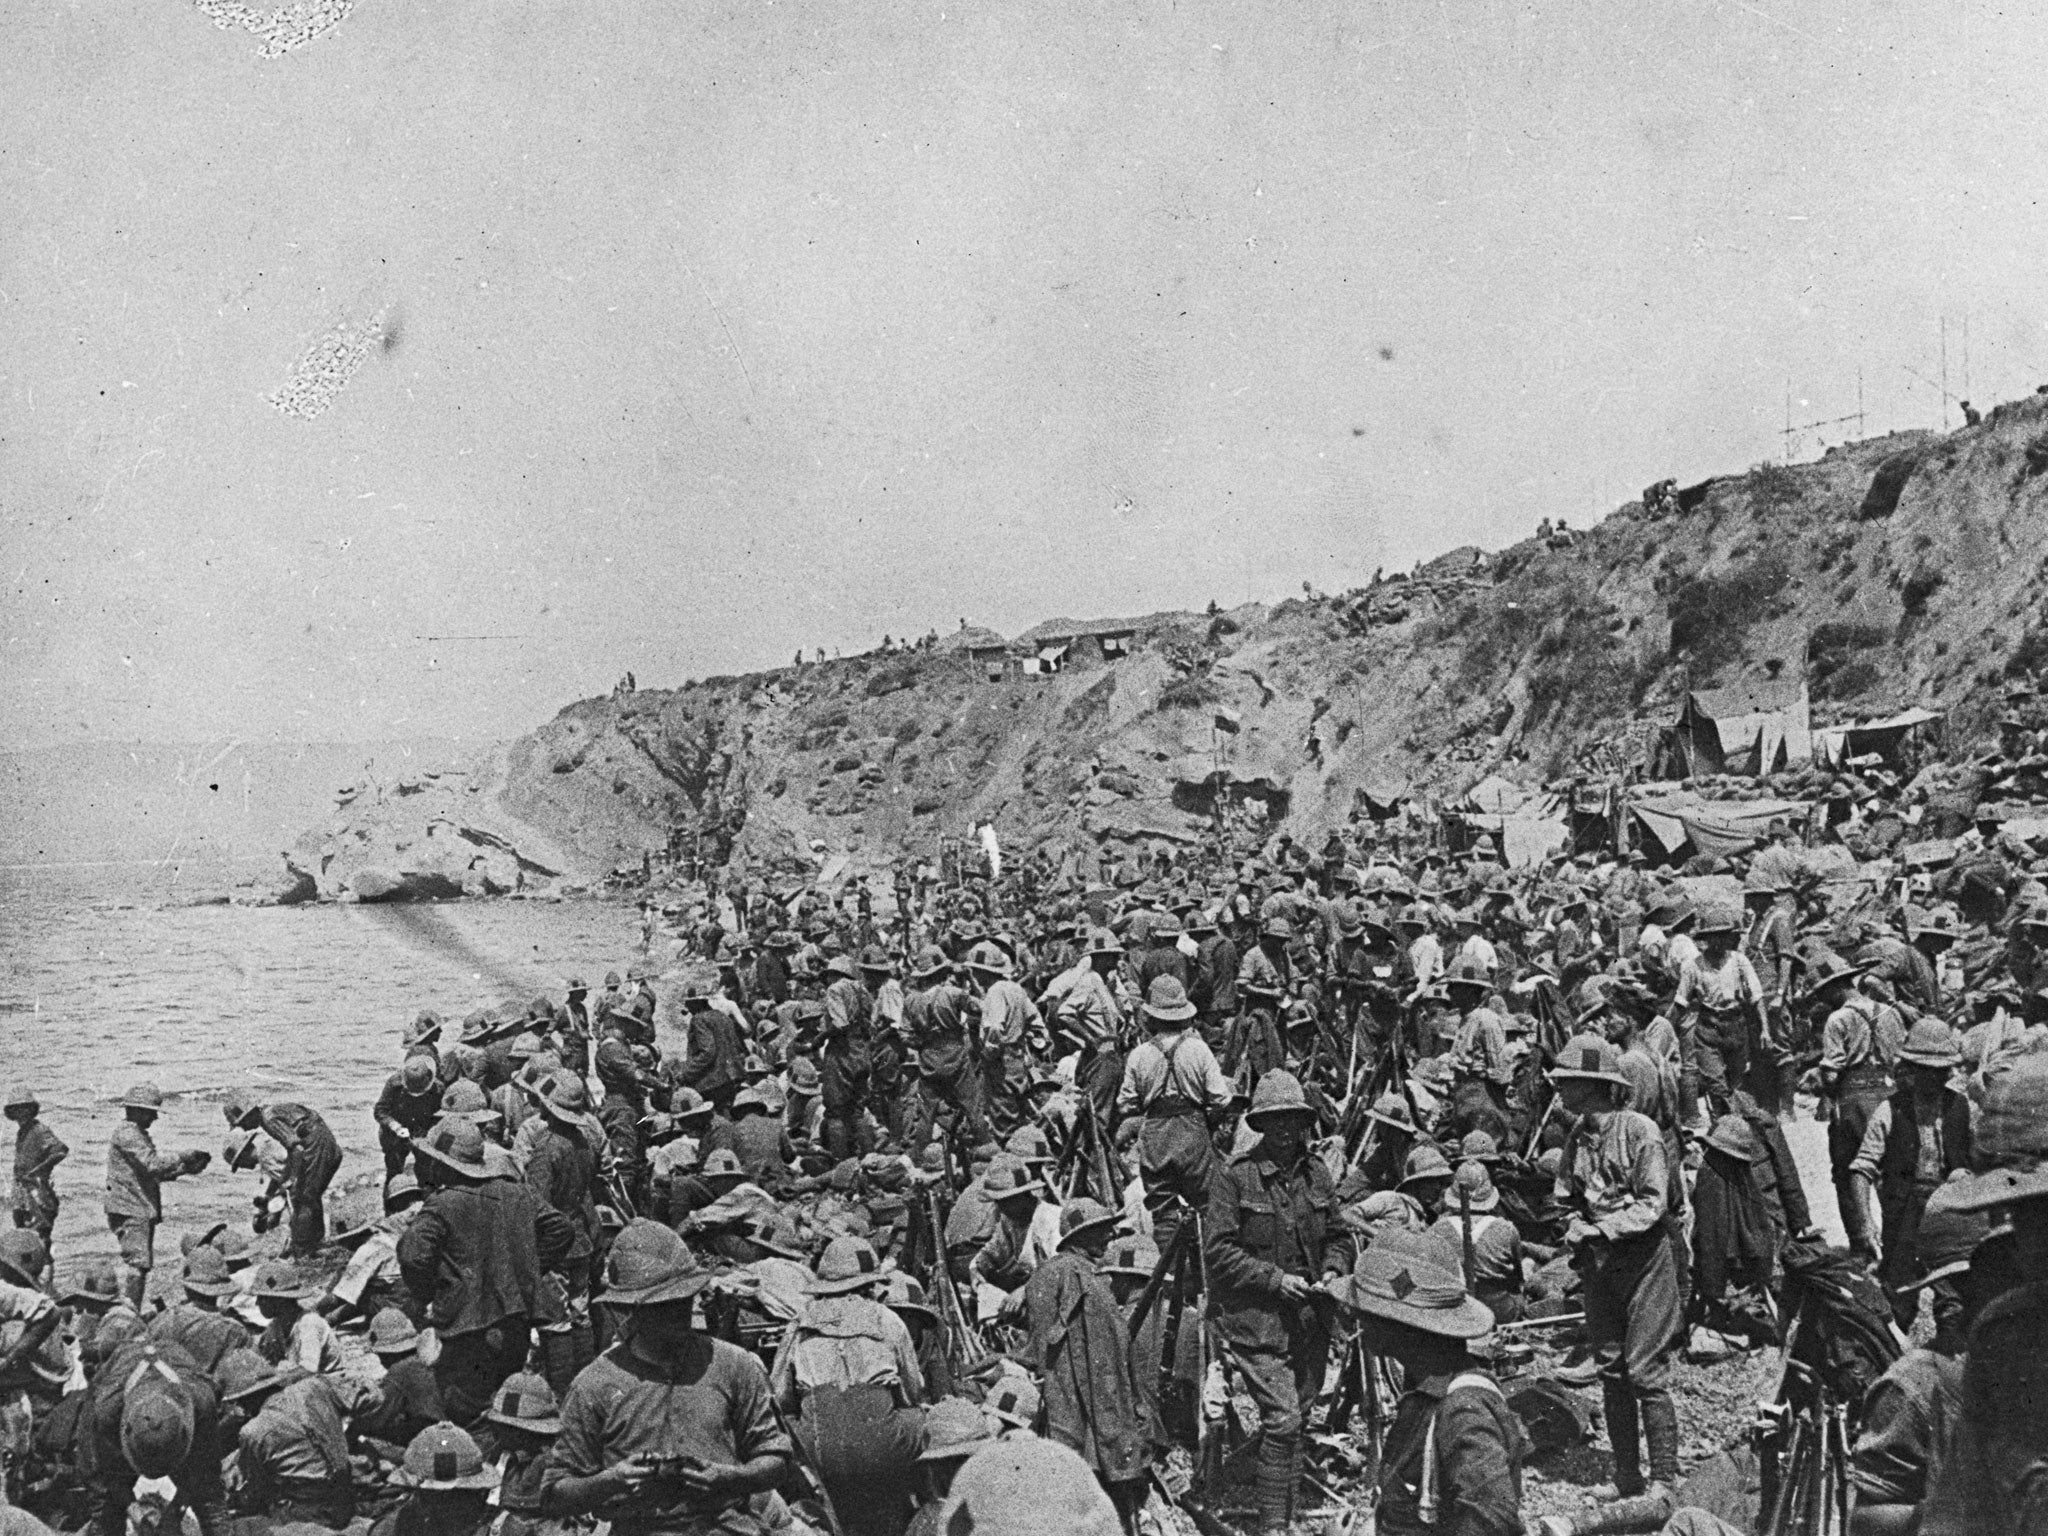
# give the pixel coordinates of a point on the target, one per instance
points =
(1896, 571)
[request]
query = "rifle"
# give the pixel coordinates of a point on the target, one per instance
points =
(957, 1333)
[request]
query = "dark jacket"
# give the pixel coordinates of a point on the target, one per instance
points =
(474, 1253)
(1214, 989)
(1265, 1221)
(716, 1055)
(414, 1112)
(561, 1170)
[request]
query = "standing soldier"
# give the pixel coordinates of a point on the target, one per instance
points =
(1720, 1011)
(1912, 1141)
(845, 1056)
(935, 1020)
(1173, 1081)
(1273, 1237)
(1858, 1044)
(136, 1172)
(37, 1152)
(312, 1157)
(1768, 942)
(1214, 990)
(407, 1109)
(1010, 1026)
(1480, 1069)
(1615, 1188)
(1085, 1011)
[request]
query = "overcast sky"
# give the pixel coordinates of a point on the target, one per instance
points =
(708, 332)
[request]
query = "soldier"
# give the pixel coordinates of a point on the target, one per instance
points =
(153, 1412)
(1085, 1010)
(1615, 1186)
(136, 1172)
(1720, 1010)
(846, 1058)
(1011, 1027)
(37, 1152)
(1452, 1461)
(1273, 1237)
(1173, 1083)
(1912, 1141)
(407, 1109)
(1480, 1069)
(448, 1485)
(1858, 1043)
(312, 1157)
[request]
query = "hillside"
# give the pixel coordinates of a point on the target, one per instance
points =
(1924, 590)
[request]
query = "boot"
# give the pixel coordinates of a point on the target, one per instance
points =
(1622, 1432)
(1275, 1487)
(1660, 1435)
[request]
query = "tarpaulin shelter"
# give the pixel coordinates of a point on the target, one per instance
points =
(1752, 729)
(1836, 744)
(1529, 829)
(1717, 828)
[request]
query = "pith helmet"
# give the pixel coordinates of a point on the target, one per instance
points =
(1279, 1093)
(1589, 1058)
(443, 1456)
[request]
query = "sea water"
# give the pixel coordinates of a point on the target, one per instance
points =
(109, 977)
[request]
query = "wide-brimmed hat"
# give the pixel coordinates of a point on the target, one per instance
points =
(723, 1163)
(281, 1281)
(1006, 1179)
(1947, 1237)
(803, 1076)
(445, 1457)
(1080, 1217)
(1389, 1282)
(1391, 1109)
(1424, 1163)
(903, 1293)
(424, 1028)
(1930, 1043)
(1279, 1093)
(847, 1264)
(144, 1096)
(1735, 1137)
(1015, 1400)
(527, 1402)
(24, 1253)
(1826, 970)
(157, 1418)
(20, 1096)
(989, 959)
(1589, 1058)
(206, 1272)
(1469, 971)
(648, 1265)
(1102, 942)
(1135, 1256)
(931, 963)
(1166, 1001)
(567, 1099)
(97, 1284)
(243, 1373)
(392, 1333)
(465, 1100)
(455, 1143)
(954, 1429)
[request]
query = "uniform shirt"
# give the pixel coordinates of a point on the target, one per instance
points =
(1192, 1073)
(1008, 1016)
(846, 1341)
(1480, 1048)
(1930, 1160)
(206, 1335)
(135, 1173)
(37, 1152)
(1860, 1033)
(1717, 987)
(848, 1007)
(711, 1401)
(306, 1341)
(1082, 1005)
(1215, 985)
(407, 1401)
(1496, 1249)
(1615, 1174)
(1266, 1220)
(1470, 1467)
(299, 1437)
(1426, 959)
(1909, 1419)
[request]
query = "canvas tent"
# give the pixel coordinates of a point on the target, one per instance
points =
(1751, 729)
(1714, 827)
(1835, 745)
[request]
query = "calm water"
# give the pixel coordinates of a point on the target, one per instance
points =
(105, 980)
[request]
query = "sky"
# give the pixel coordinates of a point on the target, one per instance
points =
(694, 334)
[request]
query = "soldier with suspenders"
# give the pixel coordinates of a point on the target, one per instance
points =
(1172, 1081)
